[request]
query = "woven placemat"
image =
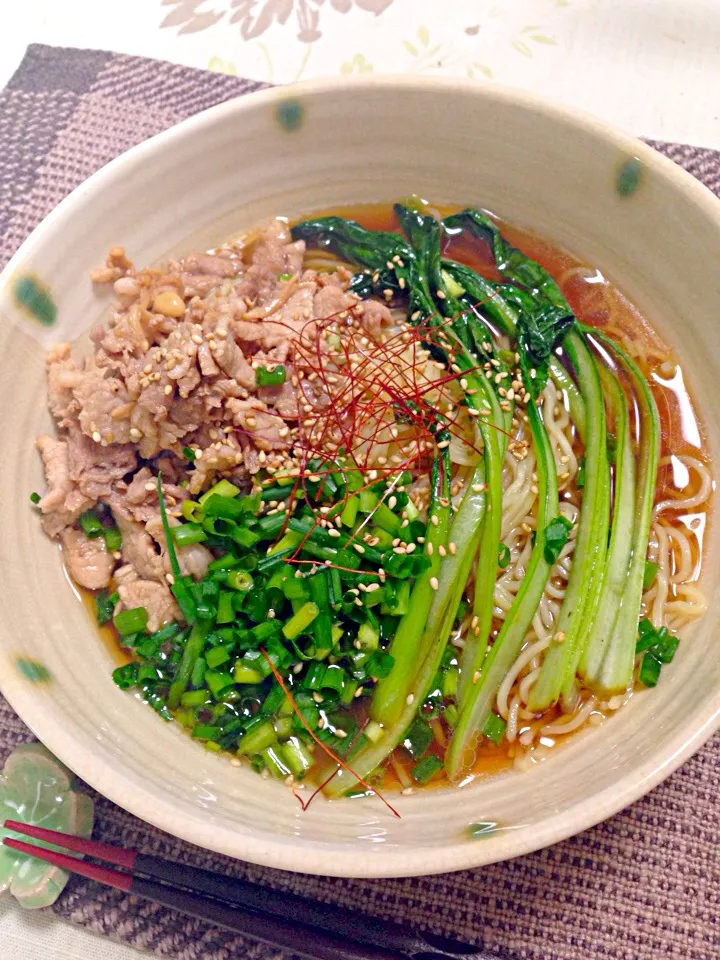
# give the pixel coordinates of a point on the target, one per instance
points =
(645, 884)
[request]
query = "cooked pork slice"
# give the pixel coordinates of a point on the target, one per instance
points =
(87, 559)
(64, 502)
(154, 596)
(193, 559)
(138, 547)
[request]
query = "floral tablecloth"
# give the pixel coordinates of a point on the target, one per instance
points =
(651, 66)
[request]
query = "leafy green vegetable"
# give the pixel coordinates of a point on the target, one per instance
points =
(494, 728)
(557, 534)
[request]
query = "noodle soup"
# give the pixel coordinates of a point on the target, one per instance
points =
(400, 497)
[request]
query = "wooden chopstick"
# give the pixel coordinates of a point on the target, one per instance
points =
(285, 920)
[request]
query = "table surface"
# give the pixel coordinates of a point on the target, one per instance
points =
(649, 66)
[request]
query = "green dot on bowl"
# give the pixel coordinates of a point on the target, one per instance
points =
(289, 114)
(36, 298)
(32, 670)
(485, 828)
(628, 178)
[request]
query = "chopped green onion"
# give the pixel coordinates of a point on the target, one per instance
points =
(189, 454)
(113, 539)
(380, 665)
(192, 511)
(257, 739)
(649, 670)
(193, 649)
(126, 676)
(218, 681)
(368, 637)
(428, 767)
(504, 556)
(373, 731)
(350, 511)
(90, 524)
(296, 756)
(223, 488)
(225, 611)
(333, 678)
(418, 738)
(243, 673)
(35, 498)
(195, 698)
(239, 580)
(131, 621)
(204, 731)
(270, 376)
(216, 656)
(301, 620)
(105, 606)
(275, 763)
(187, 533)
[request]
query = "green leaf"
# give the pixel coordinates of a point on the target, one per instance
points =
(494, 728)
(556, 536)
(483, 68)
(411, 48)
(543, 38)
(522, 48)
(423, 35)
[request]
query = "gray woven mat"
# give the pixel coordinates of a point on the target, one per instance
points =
(646, 884)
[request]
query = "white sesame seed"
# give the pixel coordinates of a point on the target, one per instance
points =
(434, 583)
(410, 699)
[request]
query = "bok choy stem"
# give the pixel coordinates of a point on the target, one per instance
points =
(621, 536)
(616, 671)
(476, 703)
(582, 593)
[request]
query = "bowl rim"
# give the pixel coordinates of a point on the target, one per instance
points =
(308, 856)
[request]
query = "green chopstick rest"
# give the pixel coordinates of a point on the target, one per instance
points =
(36, 788)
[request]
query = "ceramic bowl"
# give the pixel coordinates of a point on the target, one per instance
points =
(649, 227)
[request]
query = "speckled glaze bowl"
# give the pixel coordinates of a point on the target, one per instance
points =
(647, 225)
